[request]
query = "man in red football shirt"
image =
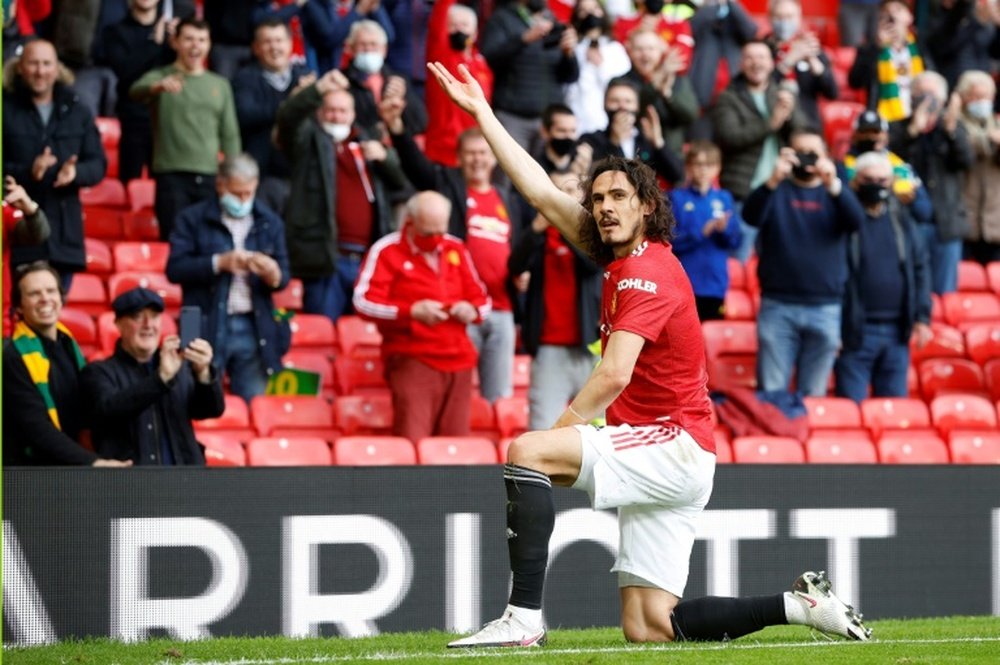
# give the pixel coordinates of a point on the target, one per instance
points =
(655, 460)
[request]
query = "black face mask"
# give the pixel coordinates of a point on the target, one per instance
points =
(536, 6)
(458, 41)
(872, 193)
(588, 23)
(865, 145)
(612, 112)
(562, 147)
(806, 159)
(654, 6)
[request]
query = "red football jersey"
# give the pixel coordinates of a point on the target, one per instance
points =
(648, 293)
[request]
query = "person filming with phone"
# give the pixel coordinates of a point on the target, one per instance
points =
(145, 395)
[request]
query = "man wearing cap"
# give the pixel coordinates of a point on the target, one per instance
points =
(43, 415)
(144, 396)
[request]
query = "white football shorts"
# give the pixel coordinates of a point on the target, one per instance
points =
(660, 480)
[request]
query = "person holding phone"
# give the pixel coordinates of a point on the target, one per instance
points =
(145, 395)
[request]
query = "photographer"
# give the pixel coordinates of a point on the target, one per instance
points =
(804, 214)
(532, 57)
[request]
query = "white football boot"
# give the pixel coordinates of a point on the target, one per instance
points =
(827, 613)
(507, 631)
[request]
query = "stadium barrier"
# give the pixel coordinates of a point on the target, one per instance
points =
(193, 553)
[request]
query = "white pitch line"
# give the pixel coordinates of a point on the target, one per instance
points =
(382, 656)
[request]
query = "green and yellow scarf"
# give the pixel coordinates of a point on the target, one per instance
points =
(889, 105)
(33, 354)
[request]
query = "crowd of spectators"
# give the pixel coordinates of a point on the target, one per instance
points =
(296, 138)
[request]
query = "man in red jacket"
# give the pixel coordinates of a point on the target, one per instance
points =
(419, 285)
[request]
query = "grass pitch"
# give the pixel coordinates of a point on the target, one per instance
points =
(912, 642)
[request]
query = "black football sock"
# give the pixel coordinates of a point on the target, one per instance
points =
(713, 618)
(530, 517)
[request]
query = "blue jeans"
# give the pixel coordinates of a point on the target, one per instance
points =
(332, 295)
(944, 255)
(882, 362)
(803, 338)
(237, 351)
(495, 338)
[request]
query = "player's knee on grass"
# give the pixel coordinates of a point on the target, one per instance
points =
(640, 631)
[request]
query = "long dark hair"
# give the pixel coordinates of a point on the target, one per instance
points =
(658, 226)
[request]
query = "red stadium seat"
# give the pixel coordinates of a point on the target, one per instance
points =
(373, 451)
(359, 375)
(482, 419)
(311, 360)
(141, 194)
(236, 416)
(512, 415)
(737, 274)
(964, 412)
(993, 276)
(107, 331)
(842, 57)
(456, 450)
(268, 412)
(894, 413)
(358, 338)
(290, 297)
(948, 342)
(738, 306)
(110, 130)
(975, 447)
(87, 294)
(99, 260)
(972, 277)
(912, 448)
(522, 374)
(767, 450)
(838, 123)
(937, 309)
(328, 434)
(982, 342)
(841, 447)
(313, 330)
(723, 447)
(950, 375)
(100, 222)
(363, 414)
(295, 451)
(992, 371)
(753, 284)
(121, 282)
(82, 326)
(502, 447)
(108, 193)
(141, 256)
(222, 449)
(140, 226)
(963, 309)
(731, 349)
(832, 413)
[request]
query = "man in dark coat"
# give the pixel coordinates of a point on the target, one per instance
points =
(144, 396)
(52, 147)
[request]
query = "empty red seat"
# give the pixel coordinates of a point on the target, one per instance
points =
(108, 193)
(732, 371)
(723, 447)
(841, 447)
(512, 415)
(110, 129)
(292, 451)
(311, 360)
(363, 414)
(121, 282)
(482, 419)
(82, 326)
(359, 375)
(975, 447)
(964, 309)
(731, 350)
(832, 413)
(982, 342)
(948, 342)
(767, 450)
(140, 225)
(738, 306)
(456, 450)
(141, 194)
(962, 412)
(290, 297)
(313, 330)
(107, 331)
(737, 274)
(991, 370)
(141, 256)
(912, 448)
(87, 294)
(838, 124)
(972, 276)
(101, 222)
(328, 434)
(98, 257)
(222, 449)
(522, 374)
(358, 337)
(894, 413)
(288, 412)
(939, 375)
(236, 416)
(373, 451)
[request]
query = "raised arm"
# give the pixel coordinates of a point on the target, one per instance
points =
(562, 210)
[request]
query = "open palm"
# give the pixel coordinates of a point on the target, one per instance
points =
(466, 92)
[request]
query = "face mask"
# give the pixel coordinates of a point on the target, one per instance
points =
(429, 243)
(806, 160)
(588, 23)
(458, 41)
(784, 29)
(612, 112)
(980, 109)
(654, 6)
(337, 131)
(872, 193)
(865, 145)
(369, 62)
(234, 207)
(562, 147)
(535, 6)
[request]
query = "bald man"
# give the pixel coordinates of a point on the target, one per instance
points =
(52, 147)
(419, 285)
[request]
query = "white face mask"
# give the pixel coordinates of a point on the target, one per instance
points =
(369, 62)
(337, 131)
(981, 109)
(785, 29)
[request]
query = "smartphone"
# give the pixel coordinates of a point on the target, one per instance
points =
(190, 325)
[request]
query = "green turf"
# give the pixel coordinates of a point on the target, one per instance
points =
(913, 642)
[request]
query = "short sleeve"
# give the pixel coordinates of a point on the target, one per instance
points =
(643, 301)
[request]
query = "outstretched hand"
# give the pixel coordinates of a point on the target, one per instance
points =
(467, 93)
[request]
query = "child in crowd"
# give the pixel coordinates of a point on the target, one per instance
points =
(708, 226)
